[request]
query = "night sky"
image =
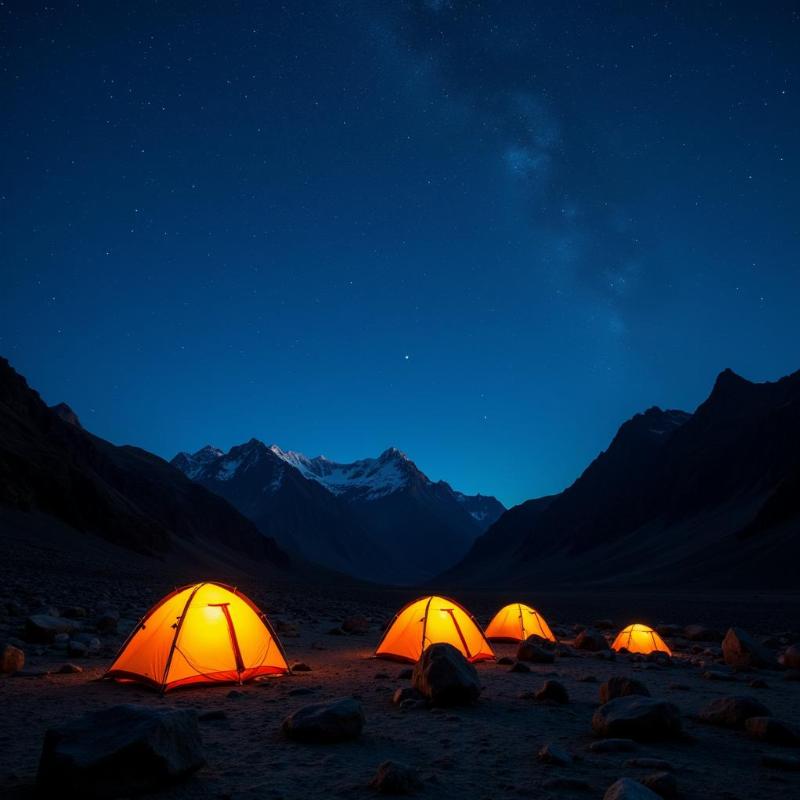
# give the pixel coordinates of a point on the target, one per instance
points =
(485, 233)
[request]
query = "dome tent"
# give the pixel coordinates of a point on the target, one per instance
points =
(204, 633)
(516, 622)
(638, 638)
(430, 620)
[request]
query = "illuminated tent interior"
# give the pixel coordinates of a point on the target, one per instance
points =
(431, 620)
(201, 634)
(638, 638)
(516, 622)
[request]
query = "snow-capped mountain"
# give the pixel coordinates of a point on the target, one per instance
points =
(347, 516)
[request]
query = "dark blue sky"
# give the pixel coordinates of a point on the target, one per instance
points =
(484, 233)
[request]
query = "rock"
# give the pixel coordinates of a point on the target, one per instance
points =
(212, 716)
(89, 639)
(406, 693)
(791, 657)
(325, 723)
(620, 686)
(505, 661)
(76, 648)
(445, 677)
(667, 630)
(591, 640)
(300, 666)
(773, 731)
(336, 632)
(69, 669)
(356, 625)
(790, 763)
(701, 633)
(613, 746)
(554, 754)
(648, 763)
(520, 667)
(718, 675)
(742, 651)
(532, 650)
(12, 659)
(586, 679)
(758, 683)
(120, 751)
(107, 621)
(732, 711)
(393, 777)
(552, 692)
(43, 629)
(662, 783)
(405, 674)
(636, 717)
(74, 612)
(235, 694)
(301, 691)
(629, 789)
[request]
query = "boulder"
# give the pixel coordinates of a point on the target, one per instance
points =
(629, 789)
(325, 723)
(532, 650)
(43, 628)
(732, 711)
(791, 657)
(552, 692)
(445, 677)
(742, 651)
(12, 659)
(773, 731)
(393, 777)
(120, 751)
(591, 640)
(620, 686)
(554, 754)
(636, 717)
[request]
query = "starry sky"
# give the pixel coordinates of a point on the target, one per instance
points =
(485, 233)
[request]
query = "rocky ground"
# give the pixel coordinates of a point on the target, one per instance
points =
(507, 744)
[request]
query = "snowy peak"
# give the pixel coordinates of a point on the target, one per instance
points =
(193, 464)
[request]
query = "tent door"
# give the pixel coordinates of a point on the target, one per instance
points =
(237, 653)
(458, 631)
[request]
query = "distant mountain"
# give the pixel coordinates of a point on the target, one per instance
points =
(701, 499)
(51, 466)
(377, 518)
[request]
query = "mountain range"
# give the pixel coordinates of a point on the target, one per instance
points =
(377, 518)
(710, 498)
(52, 468)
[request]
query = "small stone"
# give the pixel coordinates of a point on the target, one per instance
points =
(505, 660)
(300, 666)
(520, 667)
(43, 629)
(554, 754)
(78, 649)
(300, 691)
(590, 640)
(212, 716)
(741, 650)
(406, 693)
(12, 659)
(107, 621)
(758, 683)
(393, 777)
(648, 763)
(552, 692)
(773, 731)
(336, 632)
(732, 711)
(357, 625)
(405, 674)
(613, 746)
(701, 633)
(69, 669)
(325, 723)
(621, 686)
(586, 679)
(629, 789)
(791, 657)
(717, 675)
(235, 694)
(532, 650)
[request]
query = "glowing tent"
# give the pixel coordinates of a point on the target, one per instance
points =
(516, 622)
(639, 638)
(200, 634)
(431, 620)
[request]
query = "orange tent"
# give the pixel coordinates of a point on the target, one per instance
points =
(638, 638)
(516, 622)
(201, 634)
(430, 620)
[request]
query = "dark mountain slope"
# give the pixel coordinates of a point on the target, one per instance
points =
(677, 498)
(123, 494)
